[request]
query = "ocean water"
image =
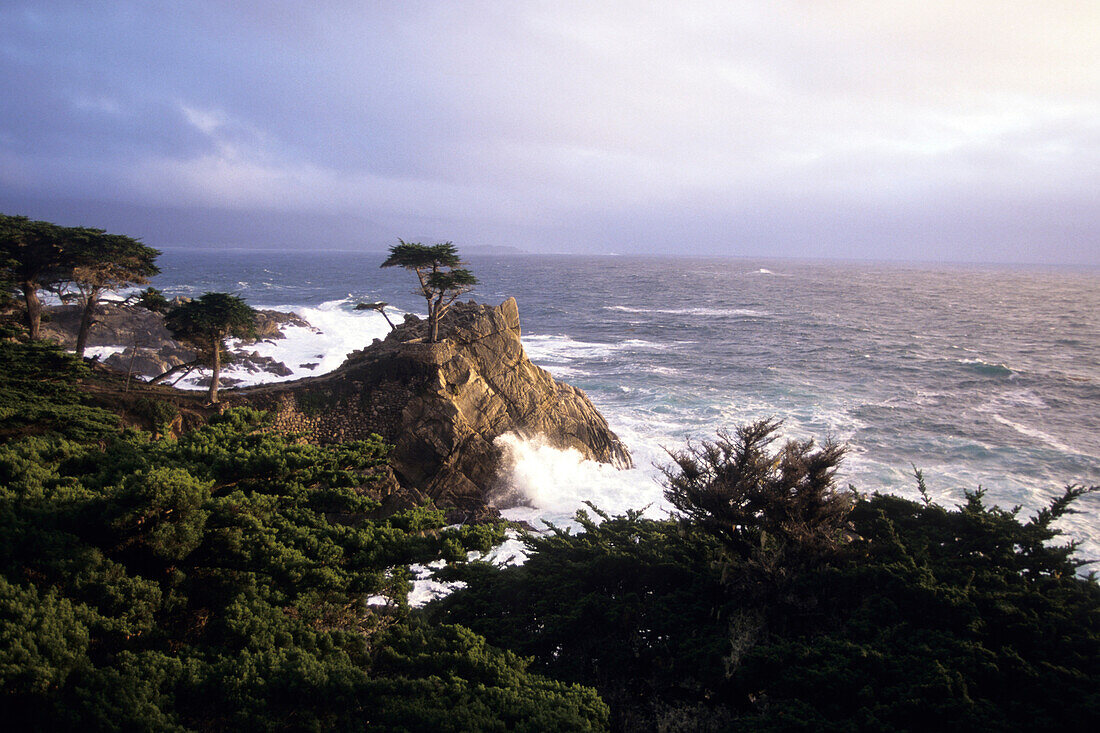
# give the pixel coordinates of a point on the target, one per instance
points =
(978, 376)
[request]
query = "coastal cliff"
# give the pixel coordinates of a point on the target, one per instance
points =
(443, 404)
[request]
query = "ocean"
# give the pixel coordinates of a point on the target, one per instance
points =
(978, 376)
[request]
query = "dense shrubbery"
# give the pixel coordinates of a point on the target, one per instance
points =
(38, 394)
(908, 616)
(219, 581)
(204, 583)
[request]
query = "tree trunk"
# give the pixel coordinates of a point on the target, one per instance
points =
(433, 319)
(217, 344)
(187, 366)
(85, 326)
(34, 307)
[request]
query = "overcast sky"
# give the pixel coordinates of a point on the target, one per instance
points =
(887, 130)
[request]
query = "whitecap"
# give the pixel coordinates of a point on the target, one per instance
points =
(1039, 435)
(560, 347)
(985, 367)
(697, 311)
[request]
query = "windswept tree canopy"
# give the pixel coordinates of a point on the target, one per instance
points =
(207, 322)
(32, 256)
(103, 261)
(98, 263)
(38, 254)
(214, 315)
(439, 270)
(31, 250)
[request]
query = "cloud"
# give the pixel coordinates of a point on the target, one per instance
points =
(530, 119)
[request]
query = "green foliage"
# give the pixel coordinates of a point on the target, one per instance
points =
(203, 583)
(160, 413)
(207, 322)
(154, 300)
(38, 254)
(919, 618)
(439, 271)
(39, 393)
(32, 256)
(212, 316)
(773, 511)
(629, 605)
(30, 250)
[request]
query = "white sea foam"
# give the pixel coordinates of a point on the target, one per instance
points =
(545, 482)
(337, 330)
(709, 312)
(102, 352)
(561, 348)
(426, 588)
(1030, 432)
(510, 552)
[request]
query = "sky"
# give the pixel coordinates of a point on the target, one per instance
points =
(928, 131)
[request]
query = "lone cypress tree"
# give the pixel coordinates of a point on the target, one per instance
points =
(207, 322)
(440, 272)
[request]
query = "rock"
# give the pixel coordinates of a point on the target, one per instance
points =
(443, 404)
(131, 325)
(113, 325)
(270, 325)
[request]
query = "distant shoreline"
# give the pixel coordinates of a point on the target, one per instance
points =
(494, 251)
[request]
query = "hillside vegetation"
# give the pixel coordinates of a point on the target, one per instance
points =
(219, 580)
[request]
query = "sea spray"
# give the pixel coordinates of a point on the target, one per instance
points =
(542, 482)
(336, 331)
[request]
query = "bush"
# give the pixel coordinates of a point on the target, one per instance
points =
(775, 602)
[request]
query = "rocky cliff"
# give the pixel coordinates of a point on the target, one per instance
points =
(443, 404)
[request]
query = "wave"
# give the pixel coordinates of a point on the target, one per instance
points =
(558, 348)
(337, 330)
(984, 367)
(708, 312)
(542, 482)
(1039, 435)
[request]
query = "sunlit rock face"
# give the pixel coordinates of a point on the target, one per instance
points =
(443, 404)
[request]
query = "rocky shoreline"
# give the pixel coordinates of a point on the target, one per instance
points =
(441, 405)
(147, 347)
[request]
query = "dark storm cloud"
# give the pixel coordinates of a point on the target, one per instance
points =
(853, 129)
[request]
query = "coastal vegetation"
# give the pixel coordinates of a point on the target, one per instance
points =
(221, 581)
(78, 262)
(206, 323)
(221, 574)
(770, 601)
(440, 273)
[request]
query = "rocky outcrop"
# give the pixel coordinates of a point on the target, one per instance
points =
(443, 404)
(135, 328)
